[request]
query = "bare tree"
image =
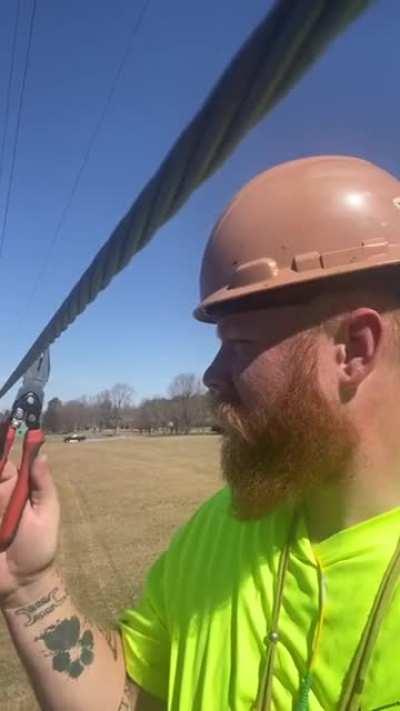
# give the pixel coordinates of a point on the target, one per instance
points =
(144, 417)
(103, 407)
(203, 416)
(121, 396)
(52, 417)
(184, 392)
(185, 385)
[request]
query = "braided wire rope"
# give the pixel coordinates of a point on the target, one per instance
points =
(279, 51)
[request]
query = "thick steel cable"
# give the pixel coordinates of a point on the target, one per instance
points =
(18, 128)
(276, 55)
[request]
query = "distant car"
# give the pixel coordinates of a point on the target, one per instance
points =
(74, 438)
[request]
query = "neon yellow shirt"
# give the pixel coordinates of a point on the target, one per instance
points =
(197, 637)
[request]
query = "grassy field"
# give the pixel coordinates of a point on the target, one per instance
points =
(121, 500)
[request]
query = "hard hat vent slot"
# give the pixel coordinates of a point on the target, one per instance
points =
(306, 261)
(260, 270)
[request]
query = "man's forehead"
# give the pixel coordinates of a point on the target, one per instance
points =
(258, 322)
(245, 322)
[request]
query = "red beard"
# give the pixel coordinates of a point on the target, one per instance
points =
(278, 454)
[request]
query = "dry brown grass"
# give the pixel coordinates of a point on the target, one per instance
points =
(121, 500)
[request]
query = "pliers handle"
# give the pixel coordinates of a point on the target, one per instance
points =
(33, 441)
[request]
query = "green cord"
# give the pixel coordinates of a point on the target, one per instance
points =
(350, 700)
(305, 686)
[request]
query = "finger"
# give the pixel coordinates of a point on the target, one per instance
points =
(9, 471)
(4, 425)
(7, 484)
(43, 493)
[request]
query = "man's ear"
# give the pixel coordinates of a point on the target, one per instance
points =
(359, 342)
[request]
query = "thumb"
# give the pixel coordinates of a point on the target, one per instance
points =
(42, 489)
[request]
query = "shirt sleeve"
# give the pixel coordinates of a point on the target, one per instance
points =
(145, 636)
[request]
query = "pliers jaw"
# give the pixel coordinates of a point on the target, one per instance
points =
(27, 409)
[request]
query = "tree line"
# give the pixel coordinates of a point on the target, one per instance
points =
(185, 407)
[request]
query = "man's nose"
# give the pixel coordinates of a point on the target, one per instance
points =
(217, 378)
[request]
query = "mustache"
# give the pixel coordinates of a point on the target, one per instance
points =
(217, 400)
(229, 414)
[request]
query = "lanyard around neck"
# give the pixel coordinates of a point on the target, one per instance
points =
(351, 696)
(263, 702)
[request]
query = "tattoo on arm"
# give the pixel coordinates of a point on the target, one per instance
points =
(42, 607)
(69, 642)
(71, 647)
(127, 699)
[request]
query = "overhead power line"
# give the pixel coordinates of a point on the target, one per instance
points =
(86, 156)
(18, 127)
(9, 88)
(281, 49)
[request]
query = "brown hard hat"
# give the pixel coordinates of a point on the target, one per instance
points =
(298, 223)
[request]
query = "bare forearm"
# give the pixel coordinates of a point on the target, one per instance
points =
(72, 664)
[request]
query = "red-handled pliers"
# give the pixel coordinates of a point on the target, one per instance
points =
(27, 409)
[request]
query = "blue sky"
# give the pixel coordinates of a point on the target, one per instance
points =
(141, 330)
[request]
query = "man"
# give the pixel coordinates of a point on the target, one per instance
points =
(281, 592)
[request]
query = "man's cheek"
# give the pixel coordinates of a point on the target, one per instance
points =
(252, 393)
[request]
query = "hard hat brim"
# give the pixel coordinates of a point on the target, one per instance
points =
(291, 287)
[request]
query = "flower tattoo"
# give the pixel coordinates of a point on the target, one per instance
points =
(71, 651)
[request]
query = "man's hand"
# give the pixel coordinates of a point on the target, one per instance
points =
(45, 626)
(31, 555)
